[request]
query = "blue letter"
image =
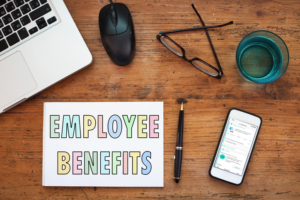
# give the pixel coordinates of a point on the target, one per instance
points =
(104, 163)
(146, 163)
(111, 121)
(71, 127)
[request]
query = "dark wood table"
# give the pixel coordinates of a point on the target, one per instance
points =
(158, 75)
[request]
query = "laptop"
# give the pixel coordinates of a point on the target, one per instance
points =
(39, 46)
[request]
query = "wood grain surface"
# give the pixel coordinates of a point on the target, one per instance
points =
(156, 74)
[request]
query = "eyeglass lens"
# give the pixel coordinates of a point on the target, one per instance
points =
(204, 68)
(171, 46)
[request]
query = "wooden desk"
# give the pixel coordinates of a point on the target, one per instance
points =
(158, 75)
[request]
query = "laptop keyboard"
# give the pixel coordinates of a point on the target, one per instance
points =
(21, 20)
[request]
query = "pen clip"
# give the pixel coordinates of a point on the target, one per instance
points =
(174, 167)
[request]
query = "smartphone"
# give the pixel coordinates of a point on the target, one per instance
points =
(235, 146)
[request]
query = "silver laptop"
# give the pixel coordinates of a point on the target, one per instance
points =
(39, 46)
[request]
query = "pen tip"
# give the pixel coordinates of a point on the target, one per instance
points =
(177, 180)
(182, 106)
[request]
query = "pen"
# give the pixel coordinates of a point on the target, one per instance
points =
(178, 150)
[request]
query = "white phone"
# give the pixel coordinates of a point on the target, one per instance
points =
(235, 146)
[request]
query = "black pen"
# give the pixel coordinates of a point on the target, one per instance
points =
(178, 151)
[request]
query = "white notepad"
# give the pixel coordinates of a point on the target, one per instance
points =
(113, 144)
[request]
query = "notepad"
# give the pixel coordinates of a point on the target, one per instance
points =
(108, 144)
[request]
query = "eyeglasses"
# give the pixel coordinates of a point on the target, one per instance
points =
(179, 51)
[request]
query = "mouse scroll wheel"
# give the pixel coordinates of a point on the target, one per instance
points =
(113, 14)
(114, 18)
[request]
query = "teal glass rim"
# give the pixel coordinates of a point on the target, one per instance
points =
(255, 79)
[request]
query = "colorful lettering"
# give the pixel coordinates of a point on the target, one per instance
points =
(134, 155)
(115, 162)
(112, 133)
(101, 134)
(89, 123)
(91, 162)
(129, 124)
(125, 162)
(142, 126)
(104, 162)
(69, 127)
(77, 163)
(146, 163)
(63, 166)
(153, 126)
(54, 126)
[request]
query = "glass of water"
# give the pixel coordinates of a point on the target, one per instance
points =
(262, 57)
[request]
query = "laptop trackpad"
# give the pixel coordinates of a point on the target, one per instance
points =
(15, 79)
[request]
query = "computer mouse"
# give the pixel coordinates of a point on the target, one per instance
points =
(117, 33)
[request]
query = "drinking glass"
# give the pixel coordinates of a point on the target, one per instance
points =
(262, 57)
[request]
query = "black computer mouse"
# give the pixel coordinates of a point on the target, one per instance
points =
(117, 33)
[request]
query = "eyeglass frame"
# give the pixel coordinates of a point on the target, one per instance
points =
(163, 34)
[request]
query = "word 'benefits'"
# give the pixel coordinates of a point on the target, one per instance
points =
(91, 162)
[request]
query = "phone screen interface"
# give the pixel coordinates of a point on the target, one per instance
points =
(235, 146)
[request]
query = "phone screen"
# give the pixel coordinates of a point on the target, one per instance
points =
(235, 146)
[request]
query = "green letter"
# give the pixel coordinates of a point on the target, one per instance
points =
(54, 126)
(115, 162)
(92, 162)
(129, 124)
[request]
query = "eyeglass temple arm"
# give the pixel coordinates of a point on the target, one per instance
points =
(190, 29)
(206, 31)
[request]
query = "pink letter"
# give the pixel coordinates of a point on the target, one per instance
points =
(125, 163)
(153, 126)
(101, 134)
(76, 163)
